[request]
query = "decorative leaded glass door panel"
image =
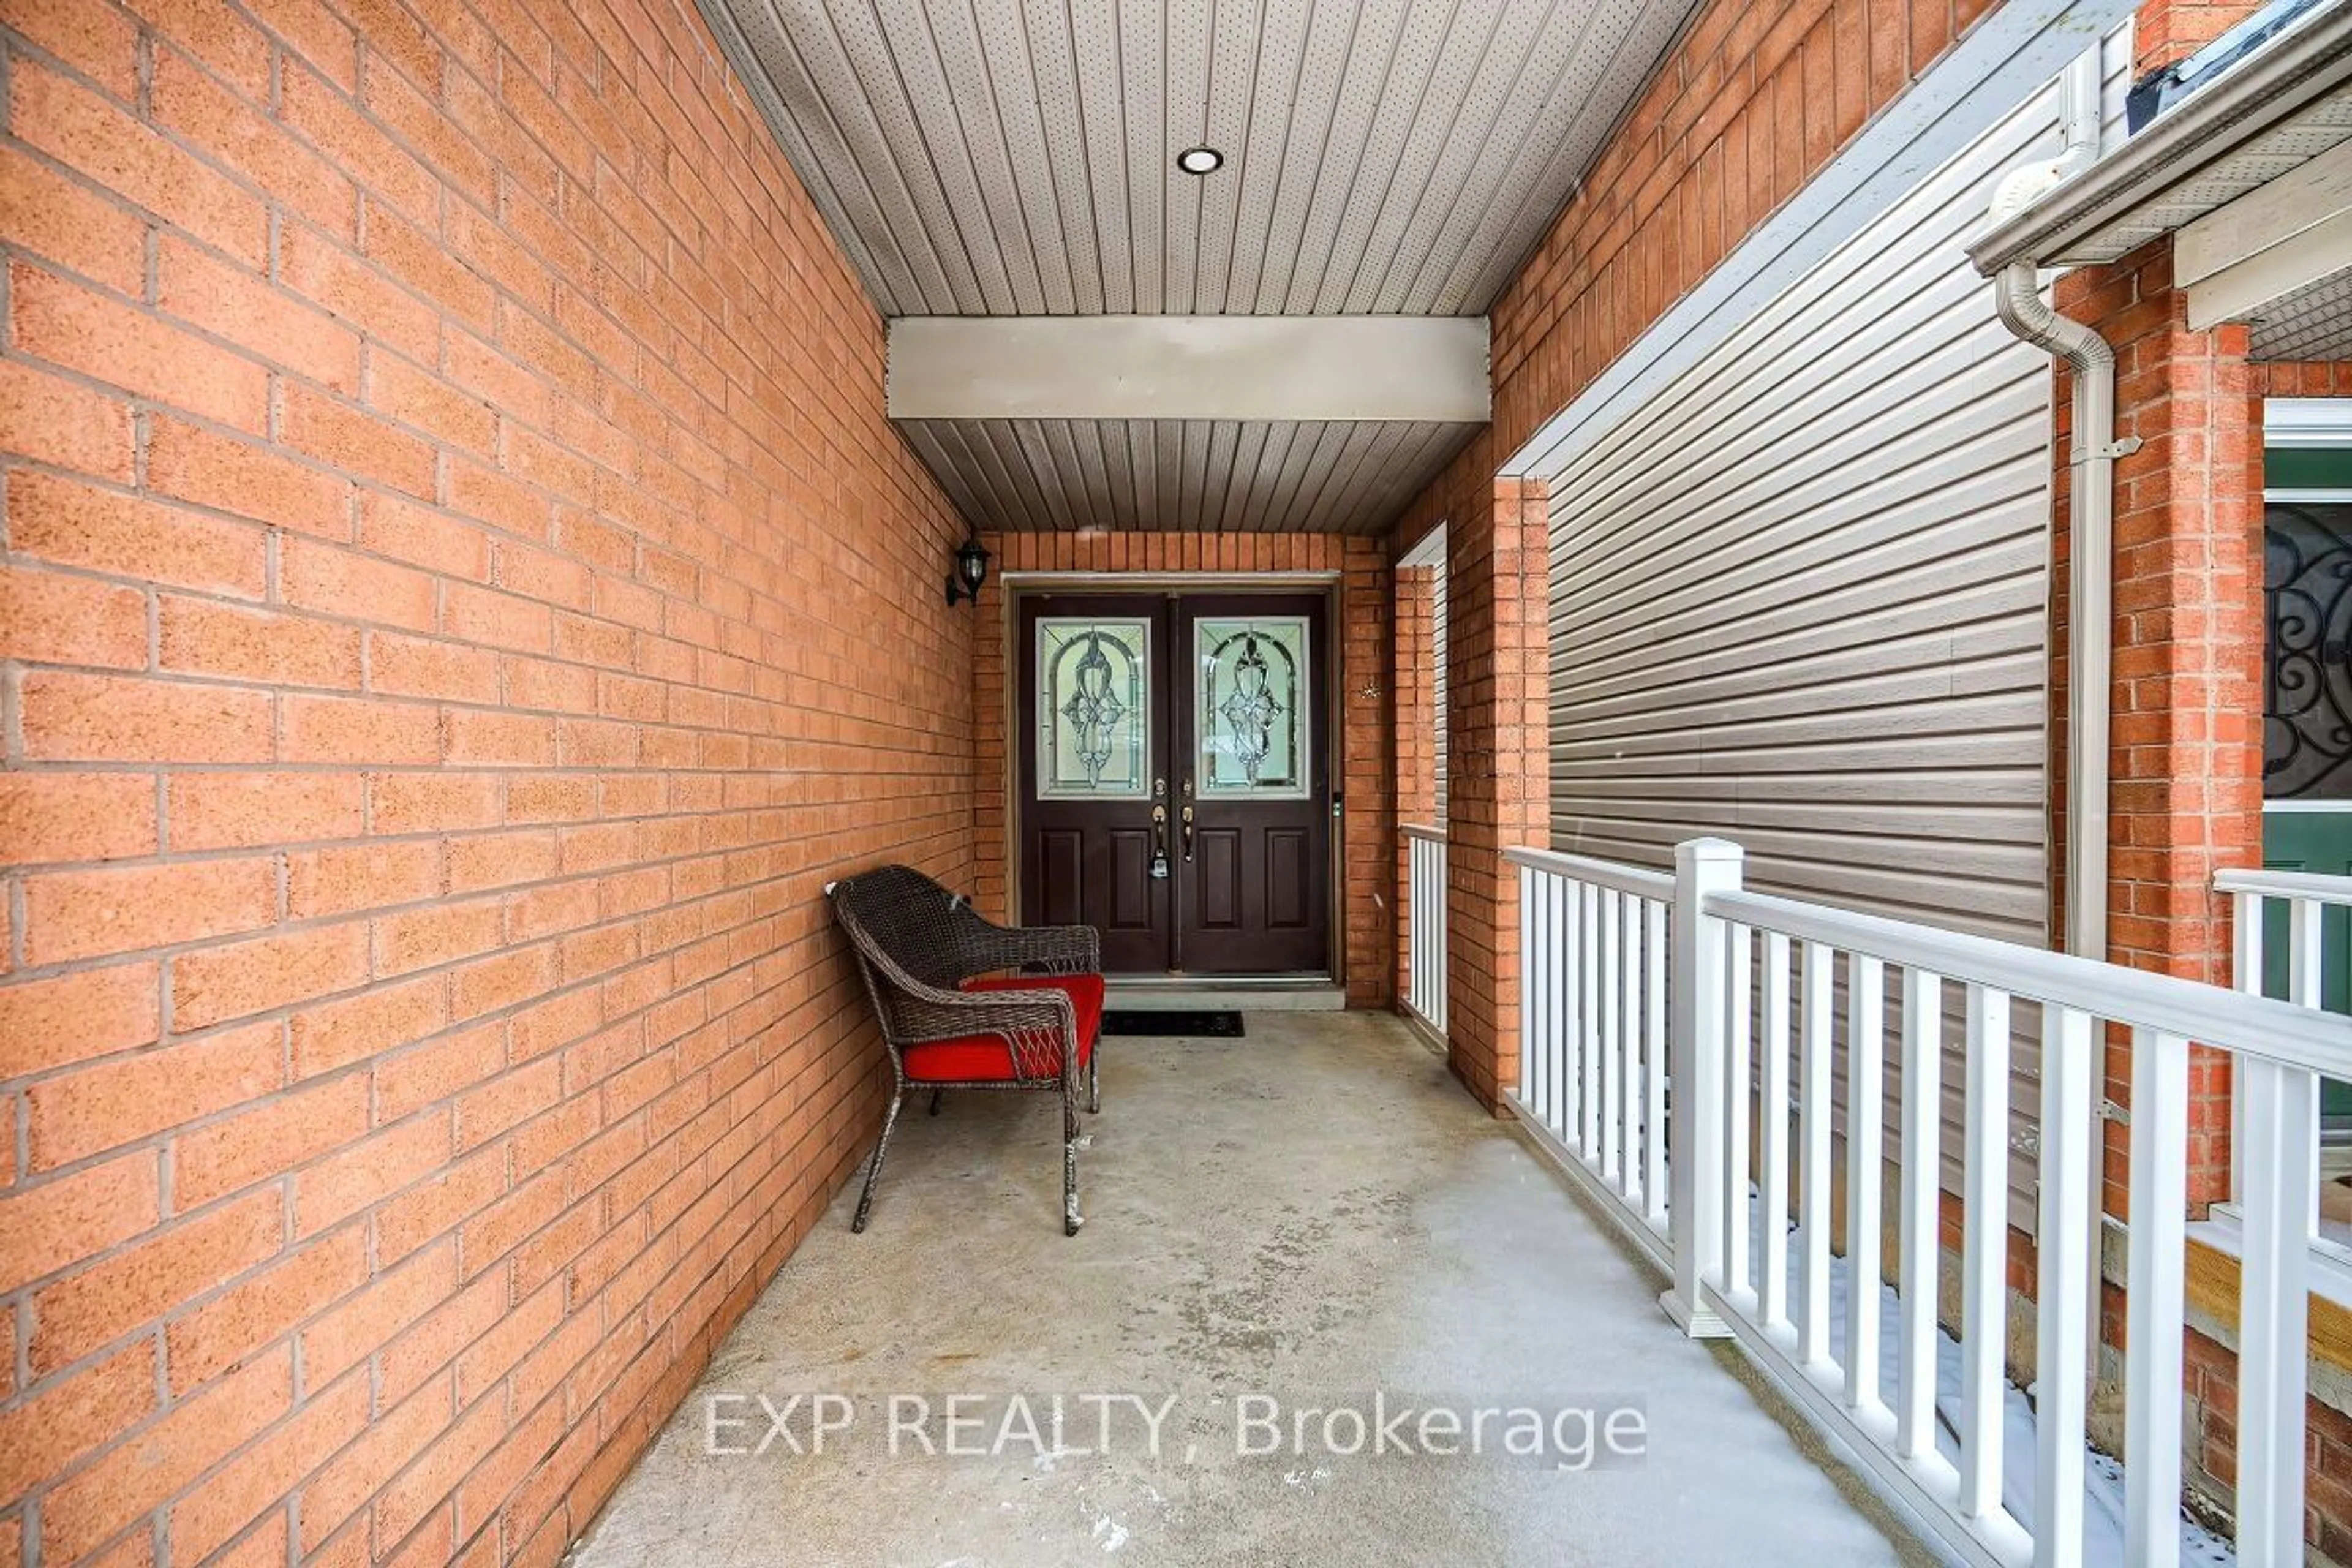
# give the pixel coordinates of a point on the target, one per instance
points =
(1097, 825)
(1174, 791)
(1095, 690)
(1253, 707)
(1255, 896)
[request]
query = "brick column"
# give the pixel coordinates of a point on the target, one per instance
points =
(1413, 682)
(1367, 775)
(2186, 753)
(2165, 32)
(1498, 769)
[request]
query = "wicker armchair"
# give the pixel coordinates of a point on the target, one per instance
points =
(964, 1004)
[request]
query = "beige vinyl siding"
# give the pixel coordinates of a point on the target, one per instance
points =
(1799, 597)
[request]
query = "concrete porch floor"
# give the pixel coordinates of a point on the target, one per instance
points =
(1314, 1212)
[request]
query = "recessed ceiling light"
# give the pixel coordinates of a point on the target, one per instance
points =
(1200, 160)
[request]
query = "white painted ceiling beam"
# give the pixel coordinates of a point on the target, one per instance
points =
(1412, 368)
(2268, 243)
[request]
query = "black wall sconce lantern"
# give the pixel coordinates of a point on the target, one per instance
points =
(971, 571)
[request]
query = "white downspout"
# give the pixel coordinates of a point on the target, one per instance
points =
(2089, 512)
(2017, 295)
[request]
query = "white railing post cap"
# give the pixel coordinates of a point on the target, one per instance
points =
(1695, 852)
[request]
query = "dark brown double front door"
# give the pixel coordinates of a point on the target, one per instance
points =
(1175, 789)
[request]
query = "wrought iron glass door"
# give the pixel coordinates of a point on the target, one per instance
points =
(2307, 761)
(1175, 791)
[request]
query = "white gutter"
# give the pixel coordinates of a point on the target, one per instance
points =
(2091, 495)
(2105, 215)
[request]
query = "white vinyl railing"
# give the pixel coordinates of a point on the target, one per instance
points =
(1425, 925)
(1593, 1027)
(1780, 1014)
(2314, 963)
(2277, 1110)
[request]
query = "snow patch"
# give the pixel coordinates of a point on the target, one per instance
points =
(2103, 1480)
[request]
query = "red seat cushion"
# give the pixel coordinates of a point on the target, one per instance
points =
(985, 1058)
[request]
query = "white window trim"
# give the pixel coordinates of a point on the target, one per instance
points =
(2306, 422)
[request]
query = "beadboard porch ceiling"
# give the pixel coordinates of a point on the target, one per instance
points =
(1017, 158)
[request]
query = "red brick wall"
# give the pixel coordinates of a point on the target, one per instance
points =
(1367, 768)
(2165, 31)
(2286, 378)
(462, 598)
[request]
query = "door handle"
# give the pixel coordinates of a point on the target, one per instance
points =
(1188, 836)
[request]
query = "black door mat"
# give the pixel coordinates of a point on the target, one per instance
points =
(1219, 1025)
